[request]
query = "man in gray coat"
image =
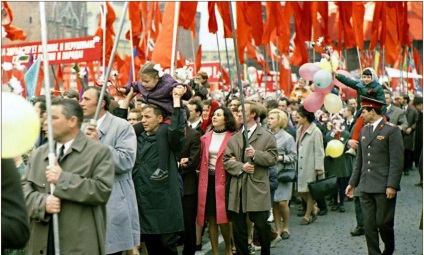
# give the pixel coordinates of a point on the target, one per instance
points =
(395, 114)
(123, 229)
(249, 186)
(83, 175)
(377, 175)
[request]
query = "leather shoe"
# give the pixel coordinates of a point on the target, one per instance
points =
(358, 231)
(323, 212)
(342, 209)
(159, 175)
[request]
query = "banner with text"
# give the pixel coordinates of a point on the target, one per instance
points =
(62, 51)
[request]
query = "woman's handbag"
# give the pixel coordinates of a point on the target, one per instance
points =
(287, 175)
(323, 187)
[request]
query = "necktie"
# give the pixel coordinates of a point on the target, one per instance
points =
(61, 153)
(371, 129)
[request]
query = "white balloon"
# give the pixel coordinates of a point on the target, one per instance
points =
(20, 125)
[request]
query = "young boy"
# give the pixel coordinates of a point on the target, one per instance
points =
(368, 86)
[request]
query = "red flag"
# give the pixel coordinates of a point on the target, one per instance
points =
(417, 61)
(274, 12)
(59, 79)
(402, 23)
(242, 31)
(379, 16)
(14, 33)
(358, 12)
(187, 16)
(224, 11)
(285, 80)
(225, 76)
(212, 24)
(254, 18)
(163, 46)
(345, 28)
(7, 17)
(392, 43)
(39, 83)
(199, 58)
(134, 15)
(306, 20)
(300, 54)
(181, 61)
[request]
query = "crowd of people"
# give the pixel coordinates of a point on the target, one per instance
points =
(154, 171)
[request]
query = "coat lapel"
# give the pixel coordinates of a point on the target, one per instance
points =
(105, 125)
(375, 132)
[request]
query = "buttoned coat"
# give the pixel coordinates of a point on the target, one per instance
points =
(220, 177)
(253, 188)
(123, 229)
(412, 118)
(84, 188)
(379, 161)
(310, 156)
(159, 202)
(397, 117)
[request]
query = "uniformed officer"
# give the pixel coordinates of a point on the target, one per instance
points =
(377, 175)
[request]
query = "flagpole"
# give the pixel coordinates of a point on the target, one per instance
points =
(104, 37)
(220, 67)
(265, 73)
(51, 154)
(174, 36)
(276, 66)
(246, 138)
(272, 61)
(109, 67)
(228, 64)
(132, 53)
(194, 55)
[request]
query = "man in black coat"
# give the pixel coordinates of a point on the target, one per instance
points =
(377, 174)
(189, 159)
(408, 134)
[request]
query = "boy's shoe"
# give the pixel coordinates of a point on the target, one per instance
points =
(351, 151)
(159, 175)
(251, 248)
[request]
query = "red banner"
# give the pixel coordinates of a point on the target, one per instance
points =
(63, 51)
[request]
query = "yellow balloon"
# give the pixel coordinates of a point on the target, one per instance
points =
(20, 125)
(325, 65)
(332, 103)
(334, 62)
(334, 149)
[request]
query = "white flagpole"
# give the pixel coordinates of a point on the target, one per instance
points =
(109, 67)
(104, 37)
(174, 36)
(51, 154)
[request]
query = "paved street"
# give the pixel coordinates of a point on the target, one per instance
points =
(329, 234)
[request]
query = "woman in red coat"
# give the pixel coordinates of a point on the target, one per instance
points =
(211, 190)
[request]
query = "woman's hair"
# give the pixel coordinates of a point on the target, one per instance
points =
(213, 105)
(310, 116)
(230, 121)
(282, 117)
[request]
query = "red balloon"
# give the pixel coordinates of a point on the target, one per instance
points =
(308, 70)
(325, 90)
(313, 102)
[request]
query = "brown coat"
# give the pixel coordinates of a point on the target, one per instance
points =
(255, 188)
(84, 188)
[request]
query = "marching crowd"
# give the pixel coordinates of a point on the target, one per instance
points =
(155, 172)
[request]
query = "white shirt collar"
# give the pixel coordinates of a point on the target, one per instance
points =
(251, 130)
(375, 124)
(100, 121)
(194, 124)
(67, 146)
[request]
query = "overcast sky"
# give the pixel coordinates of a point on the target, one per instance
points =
(207, 39)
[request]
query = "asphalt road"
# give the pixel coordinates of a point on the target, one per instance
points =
(330, 234)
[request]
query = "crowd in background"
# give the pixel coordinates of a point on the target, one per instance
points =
(212, 169)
